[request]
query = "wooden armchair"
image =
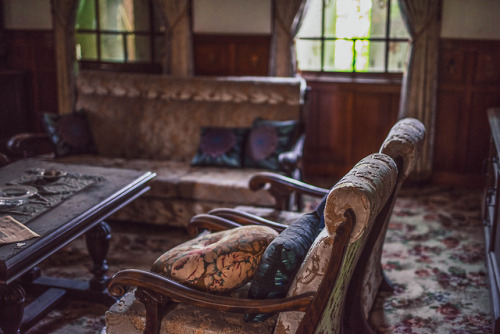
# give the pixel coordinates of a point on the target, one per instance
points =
(403, 144)
(316, 298)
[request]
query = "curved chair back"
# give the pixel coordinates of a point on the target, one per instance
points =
(351, 208)
(403, 144)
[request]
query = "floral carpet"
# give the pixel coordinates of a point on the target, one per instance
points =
(433, 254)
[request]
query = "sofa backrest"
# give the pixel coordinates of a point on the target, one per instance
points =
(152, 116)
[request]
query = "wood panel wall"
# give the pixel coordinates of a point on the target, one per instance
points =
(469, 83)
(231, 54)
(32, 51)
(347, 120)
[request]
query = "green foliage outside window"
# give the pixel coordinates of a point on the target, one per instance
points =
(352, 36)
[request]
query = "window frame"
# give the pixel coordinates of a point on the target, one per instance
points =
(382, 75)
(153, 66)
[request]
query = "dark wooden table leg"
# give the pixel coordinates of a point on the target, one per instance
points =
(12, 299)
(97, 240)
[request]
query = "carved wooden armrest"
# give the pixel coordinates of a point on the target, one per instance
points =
(209, 222)
(177, 292)
(281, 187)
(29, 144)
(245, 218)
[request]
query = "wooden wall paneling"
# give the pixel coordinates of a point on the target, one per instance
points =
(478, 136)
(213, 56)
(375, 114)
(252, 58)
(469, 83)
(449, 130)
(33, 51)
(346, 122)
(327, 131)
(231, 54)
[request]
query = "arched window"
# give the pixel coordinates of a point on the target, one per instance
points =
(123, 35)
(352, 36)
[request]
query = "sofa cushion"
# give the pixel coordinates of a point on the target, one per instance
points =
(217, 262)
(282, 259)
(266, 140)
(220, 146)
(70, 133)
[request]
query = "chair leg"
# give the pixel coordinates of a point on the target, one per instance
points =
(157, 306)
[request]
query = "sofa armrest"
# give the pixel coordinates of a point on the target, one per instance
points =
(29, 144)
(291, 161)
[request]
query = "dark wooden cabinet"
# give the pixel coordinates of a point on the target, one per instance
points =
(14, 105)
(491, 215)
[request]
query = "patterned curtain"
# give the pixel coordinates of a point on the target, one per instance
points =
(287, 19)
(178, 56)
(63, 20)
(419, 88)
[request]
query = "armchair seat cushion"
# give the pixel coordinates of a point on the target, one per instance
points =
(217, 262)
(129, 316)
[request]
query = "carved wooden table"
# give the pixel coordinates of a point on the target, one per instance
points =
(82, 212)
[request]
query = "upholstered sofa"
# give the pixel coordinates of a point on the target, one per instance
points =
(154, 122)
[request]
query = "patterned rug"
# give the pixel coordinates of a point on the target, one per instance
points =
(433, 254)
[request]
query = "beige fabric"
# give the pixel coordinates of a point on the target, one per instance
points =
(365, 190)
(307, 279)
(180, 191)
(63, 20)
(403, 144)
(419, 88)
(178, 58)
(287, 19)
(160, 117)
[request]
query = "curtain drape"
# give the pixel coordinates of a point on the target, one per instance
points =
(178, 58)
(288, 15)
(419, 87)
(63, 20)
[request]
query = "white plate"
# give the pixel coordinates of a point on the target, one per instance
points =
(15, 195)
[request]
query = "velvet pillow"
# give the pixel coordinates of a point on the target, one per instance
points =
(265, 142)
(220, 147)
(216, 262)
(70, 133)
(282, 259)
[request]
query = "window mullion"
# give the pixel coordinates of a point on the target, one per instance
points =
(387, 36)
(98, 30)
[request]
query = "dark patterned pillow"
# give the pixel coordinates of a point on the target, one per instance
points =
(221, 147)
(282, 259)
(70, 133)
(265, 142)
